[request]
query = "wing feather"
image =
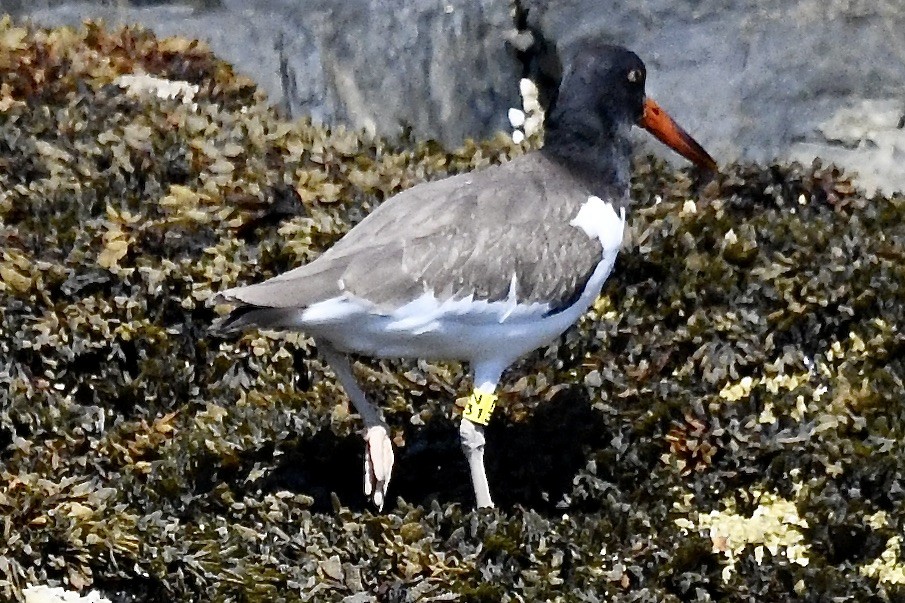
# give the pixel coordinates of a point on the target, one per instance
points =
(462, 236)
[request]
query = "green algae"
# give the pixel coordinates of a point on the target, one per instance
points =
(745, 354)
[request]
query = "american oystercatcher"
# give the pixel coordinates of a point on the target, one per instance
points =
(481, 267)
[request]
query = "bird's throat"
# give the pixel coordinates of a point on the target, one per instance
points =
(596, 152)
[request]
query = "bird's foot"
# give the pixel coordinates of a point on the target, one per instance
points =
(378, 463)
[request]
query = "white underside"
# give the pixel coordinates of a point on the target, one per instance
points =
(464, 329)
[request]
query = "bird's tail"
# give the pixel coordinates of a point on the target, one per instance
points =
(247, 317)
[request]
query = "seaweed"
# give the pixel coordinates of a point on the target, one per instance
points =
(725, 423)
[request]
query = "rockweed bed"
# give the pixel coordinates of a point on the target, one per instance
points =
(726, 424)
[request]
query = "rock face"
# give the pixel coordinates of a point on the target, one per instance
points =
(766, 80)
(434, 69)
(754, 80)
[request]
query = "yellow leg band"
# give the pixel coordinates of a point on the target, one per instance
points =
(479, 407)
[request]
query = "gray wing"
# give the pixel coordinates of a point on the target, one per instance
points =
(487, 263)
(464, 235)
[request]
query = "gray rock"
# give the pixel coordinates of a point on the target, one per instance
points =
(763, 80)
(439, 69)
(752, 80)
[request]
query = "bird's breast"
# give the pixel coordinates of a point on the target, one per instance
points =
(599, 220)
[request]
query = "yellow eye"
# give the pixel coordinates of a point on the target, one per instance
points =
(634, 76)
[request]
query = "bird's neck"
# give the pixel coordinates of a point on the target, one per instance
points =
(594, 150)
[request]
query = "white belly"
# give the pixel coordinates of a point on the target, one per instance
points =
(454, 330)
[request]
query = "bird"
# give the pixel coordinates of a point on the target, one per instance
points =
(481, 267)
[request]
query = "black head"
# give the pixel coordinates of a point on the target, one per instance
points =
(601, 96)
(602, 78)
(605, 78)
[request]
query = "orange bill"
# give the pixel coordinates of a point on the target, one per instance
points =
(658, 122)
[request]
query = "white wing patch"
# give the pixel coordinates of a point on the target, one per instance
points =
(599, 220)
(511, 298)
(333, 310)
(428, 314)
